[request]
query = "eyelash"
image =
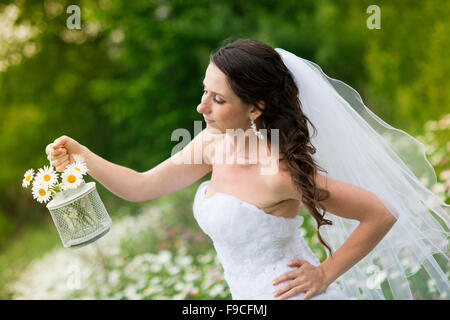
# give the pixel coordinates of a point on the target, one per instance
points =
(216, 101)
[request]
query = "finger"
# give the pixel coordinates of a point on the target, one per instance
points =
(58, 149)
(52, 147)
(47, 148)
(62, 167)
(284, 277)
(306, 296)
(64, 158)
(293, 291)
(59, 162)
(55, 161)
(61, 140)
(59, 154)
(286, 287)
(297, 262)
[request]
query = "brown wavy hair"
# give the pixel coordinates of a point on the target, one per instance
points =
(256, 72)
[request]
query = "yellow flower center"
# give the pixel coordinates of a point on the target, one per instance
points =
(28, 177)
(42, 192)
(47, 177)
(76, 168)
(71, 178)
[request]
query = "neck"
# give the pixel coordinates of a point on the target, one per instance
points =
(251, 149)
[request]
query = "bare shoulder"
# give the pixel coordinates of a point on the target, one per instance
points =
(283, 184)
(345, 199)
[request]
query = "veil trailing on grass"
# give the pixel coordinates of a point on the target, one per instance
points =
(356, 146)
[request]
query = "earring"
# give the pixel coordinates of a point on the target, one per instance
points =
(256, 132)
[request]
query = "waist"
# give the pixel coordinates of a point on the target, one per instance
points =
(257, 284)
(253, 259)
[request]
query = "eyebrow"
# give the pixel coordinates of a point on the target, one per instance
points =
(213, 91)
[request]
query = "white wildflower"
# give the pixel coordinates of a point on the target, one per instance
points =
(27, 177)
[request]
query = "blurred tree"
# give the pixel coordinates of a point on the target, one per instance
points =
(134, 71)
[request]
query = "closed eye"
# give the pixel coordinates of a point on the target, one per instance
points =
(216, 101)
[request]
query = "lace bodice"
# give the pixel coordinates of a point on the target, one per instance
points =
(253, 247)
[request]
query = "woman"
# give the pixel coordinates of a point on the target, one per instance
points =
(252, 217)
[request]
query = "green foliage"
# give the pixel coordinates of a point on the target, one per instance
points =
(6, 228)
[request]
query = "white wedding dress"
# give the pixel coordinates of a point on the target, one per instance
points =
(254, 247)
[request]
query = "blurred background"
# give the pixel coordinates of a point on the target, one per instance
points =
(133, 73)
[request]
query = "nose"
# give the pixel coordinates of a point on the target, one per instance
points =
(203, 107)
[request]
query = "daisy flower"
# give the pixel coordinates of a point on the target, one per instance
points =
(27, 177)
(70, 219)
(78, 165)
(78, 158)
(40, 192)
(71, 178)
(47, 176)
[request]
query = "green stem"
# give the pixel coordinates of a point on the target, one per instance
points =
(84, 219)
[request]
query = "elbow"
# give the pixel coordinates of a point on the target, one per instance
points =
(390, 215)
(148, 187)
(386, 219)
(382, 219)
(389, 219)
(138, 198)
(139, 195)
(135, 200)
(131, 198)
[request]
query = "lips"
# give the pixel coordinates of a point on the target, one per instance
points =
(207, 120)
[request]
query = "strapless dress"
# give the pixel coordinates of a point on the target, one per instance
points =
(254, 247)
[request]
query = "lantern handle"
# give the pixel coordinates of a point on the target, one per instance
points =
(50, 157)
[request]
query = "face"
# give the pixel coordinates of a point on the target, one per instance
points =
(221, 105)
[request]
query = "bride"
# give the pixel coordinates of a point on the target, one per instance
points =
(379, 227)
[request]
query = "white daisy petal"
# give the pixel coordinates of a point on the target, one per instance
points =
(80, 163)
(71, 178)
(27, 177)
(79, 166)
(47, 176)
(41, 192)
(78, 158)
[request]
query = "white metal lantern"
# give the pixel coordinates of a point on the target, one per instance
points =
(79, 215)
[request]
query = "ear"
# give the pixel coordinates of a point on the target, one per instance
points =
(257, 112)
(261, 105)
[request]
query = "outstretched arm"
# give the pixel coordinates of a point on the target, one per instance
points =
(173, 174)
(177, 172)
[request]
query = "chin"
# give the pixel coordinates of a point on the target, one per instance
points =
(214, 130)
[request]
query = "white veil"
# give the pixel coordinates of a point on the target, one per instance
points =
(356, 146)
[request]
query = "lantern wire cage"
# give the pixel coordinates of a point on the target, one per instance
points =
(79, 215)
